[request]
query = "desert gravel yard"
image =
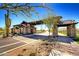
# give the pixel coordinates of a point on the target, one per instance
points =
(44, 48)
(36, 46)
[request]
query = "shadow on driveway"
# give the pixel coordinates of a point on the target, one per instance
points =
(64, 39)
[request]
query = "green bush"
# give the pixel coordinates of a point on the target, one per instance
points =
(77, 38)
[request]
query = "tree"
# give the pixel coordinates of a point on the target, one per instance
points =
(16, 9)
(7, 24)
(49, 23)
(55, 25)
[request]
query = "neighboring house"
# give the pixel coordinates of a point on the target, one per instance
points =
(23, 28)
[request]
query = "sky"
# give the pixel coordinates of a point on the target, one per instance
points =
(69, 11)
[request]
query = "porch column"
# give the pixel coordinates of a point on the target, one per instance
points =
(68, 31)
(24, 30)
(20, 30)
(55, 31)
(56, 21)
(71, 31)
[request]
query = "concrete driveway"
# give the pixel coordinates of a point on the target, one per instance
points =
(60, 37)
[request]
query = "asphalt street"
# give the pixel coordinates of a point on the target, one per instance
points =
(8, 44)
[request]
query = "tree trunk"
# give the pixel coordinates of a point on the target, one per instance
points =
(49, 34)
(7, 23)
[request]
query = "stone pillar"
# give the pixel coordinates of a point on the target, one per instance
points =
(68, 30)
(18, 31)
(28, 28)
(24, 30)
(56, 21)
(21, 30)
(55, 30)
(71, 31)
(14, 30)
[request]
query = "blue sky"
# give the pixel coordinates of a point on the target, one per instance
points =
(69, 11)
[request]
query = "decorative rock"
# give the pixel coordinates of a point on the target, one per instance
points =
(58, 53)
(55, 53)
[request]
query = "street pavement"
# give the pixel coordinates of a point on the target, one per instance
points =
(9, 43)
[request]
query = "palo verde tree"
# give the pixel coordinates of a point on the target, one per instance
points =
(16, 9)
(51, 22)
